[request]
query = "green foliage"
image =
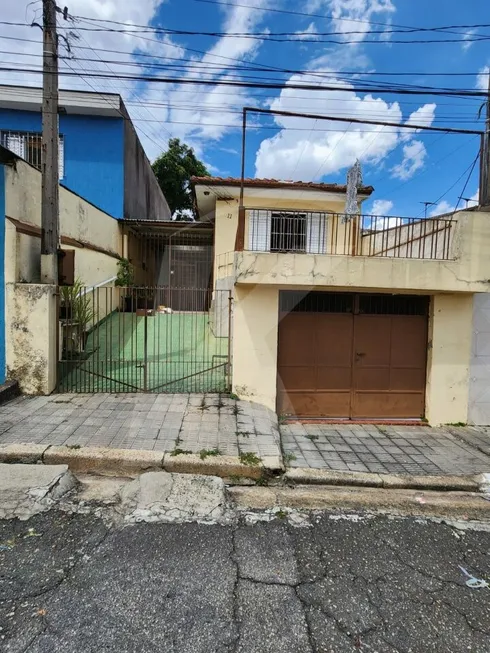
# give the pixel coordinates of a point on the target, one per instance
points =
(173, 170)
(180, 452)
(289, 457)
(78, 305)
(249, 458)
(204, 453)
(125, 273)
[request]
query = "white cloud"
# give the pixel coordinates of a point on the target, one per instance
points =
(482, 79)
(440, 208)
(352, 15)
(423, 116)
(413, 159)
(307, 33)
(466, 45)
(474, 199)
(315, 153)
(381, 207)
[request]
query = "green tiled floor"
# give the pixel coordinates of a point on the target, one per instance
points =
(163, 353)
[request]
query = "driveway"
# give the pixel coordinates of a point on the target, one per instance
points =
(413, 450)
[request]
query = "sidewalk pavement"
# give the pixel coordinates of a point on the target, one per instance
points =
(189, 423)
(413, 450)
(218, 424)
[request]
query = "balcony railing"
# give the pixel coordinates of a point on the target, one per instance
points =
(306, 232)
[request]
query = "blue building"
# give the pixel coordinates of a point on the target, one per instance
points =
(2, 277)
(101, 157)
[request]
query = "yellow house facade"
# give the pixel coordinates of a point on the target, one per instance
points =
(349, 318)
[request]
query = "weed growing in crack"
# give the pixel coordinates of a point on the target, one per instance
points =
(289, 457)
(312, 437)
(73, 446)
(180, 452)
(203, 405)
(249, 458)
(243, 434)
(263, 480)
(204, 453)
(237, 410)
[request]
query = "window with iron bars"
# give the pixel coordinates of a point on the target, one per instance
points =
(28, 145)
(286, 231)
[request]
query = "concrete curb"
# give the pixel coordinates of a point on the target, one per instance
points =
(309, 476)
(465, 505)
(222, 466)
(130, 462)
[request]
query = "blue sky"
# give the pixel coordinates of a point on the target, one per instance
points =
(406, 168)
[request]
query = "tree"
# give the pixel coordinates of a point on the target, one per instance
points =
(173, 169)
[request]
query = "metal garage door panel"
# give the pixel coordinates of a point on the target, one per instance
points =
(315, 404)
(298, 378)
(334, 378)
(316, 380)
(371, 378)
(407, 379)
(372, 337)
(334, 339)
(389, 366)
(297, 339)
(408, 341)
(373, 405)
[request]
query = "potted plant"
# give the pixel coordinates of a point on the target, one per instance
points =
(125, 279)
(77, 314)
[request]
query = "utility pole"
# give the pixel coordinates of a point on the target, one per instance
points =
(485, 156)
(50, 144)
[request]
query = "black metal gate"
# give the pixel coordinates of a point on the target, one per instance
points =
(144, 339)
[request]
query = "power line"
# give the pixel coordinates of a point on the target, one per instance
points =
(179, 32)
(209, 65)
(307, 14)
(241, 84)
(466, 183)
(267, 38)
(470, 167)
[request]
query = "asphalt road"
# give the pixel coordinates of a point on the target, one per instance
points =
(72, 585)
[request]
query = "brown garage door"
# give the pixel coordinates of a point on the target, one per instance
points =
(352, 356)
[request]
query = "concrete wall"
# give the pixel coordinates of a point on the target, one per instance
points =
(94, 161)
(255, 328)
(31, 308)
(479, 393)
(2, 276)
(79, 220)
(143, 197)
(448, 366)
(31, 336)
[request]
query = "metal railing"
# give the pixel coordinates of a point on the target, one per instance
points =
(306, 232)
(427, 238)
(28, 145)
